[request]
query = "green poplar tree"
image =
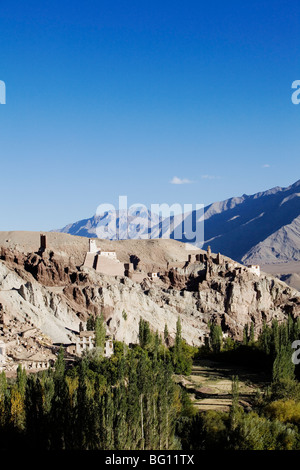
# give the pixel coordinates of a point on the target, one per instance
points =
(276, 339)
(245, 335)
(3, 399)
(265, 338)
(215, 336)
(283, 367)
(177, 350)
(90, 324)
(133, 408)
(156, 345)
(145, 335)
(233, 415)
(252, 334)
(166, 334)
(100, 333)
(60, 365)
(21, 380)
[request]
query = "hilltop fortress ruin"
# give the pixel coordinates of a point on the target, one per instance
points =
(106, 262)
(48, 291)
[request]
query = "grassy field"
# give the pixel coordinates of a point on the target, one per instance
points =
(209, 385)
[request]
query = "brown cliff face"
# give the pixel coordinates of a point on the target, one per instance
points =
(56, 296)
(233, 296)
(46, 268)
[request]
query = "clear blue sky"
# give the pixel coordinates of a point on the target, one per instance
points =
(109, 98)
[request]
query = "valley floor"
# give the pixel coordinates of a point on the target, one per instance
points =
(287, 272)
(209, 385)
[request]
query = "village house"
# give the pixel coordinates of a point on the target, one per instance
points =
(2, 355)
(153, 276)
(86, 342)
(254, 268)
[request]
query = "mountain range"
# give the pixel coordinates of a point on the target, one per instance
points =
(263, 228)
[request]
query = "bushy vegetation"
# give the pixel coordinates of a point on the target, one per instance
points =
(126, 402)
(214, 430)
(130, 401)
(274, 421)
(180, 354)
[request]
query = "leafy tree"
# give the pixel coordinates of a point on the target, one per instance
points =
(275, 333)
(252, 334)
(60, 365)
(17, 409)
(130, 401)
(178, 338)
(234, 410)
(229, 344)
(215, 337)
(285, 389)
(283, 367)
(91, 323)
(157, 342)
(3, 399)
(285, 411)
(256, 432)
(245, 335)
(166, 334)
(21, 380)
(182, 353)
(145, 335)
(265, 338)
(177, 350)
(100, 333)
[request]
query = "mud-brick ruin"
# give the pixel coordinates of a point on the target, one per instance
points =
(39, 287)
(106, 262)
(23, 344)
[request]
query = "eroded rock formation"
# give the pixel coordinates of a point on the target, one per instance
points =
(54, 296)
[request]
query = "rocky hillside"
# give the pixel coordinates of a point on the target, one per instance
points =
(50, 292)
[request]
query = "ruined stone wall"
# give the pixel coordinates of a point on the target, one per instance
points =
(137, 276)
(89, 260)
(109, 266)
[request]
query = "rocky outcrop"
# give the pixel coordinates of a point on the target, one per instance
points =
(54, 297)
(46, 267)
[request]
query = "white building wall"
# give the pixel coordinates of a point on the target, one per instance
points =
(93, 246)
(2, 355)
(255, 269)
